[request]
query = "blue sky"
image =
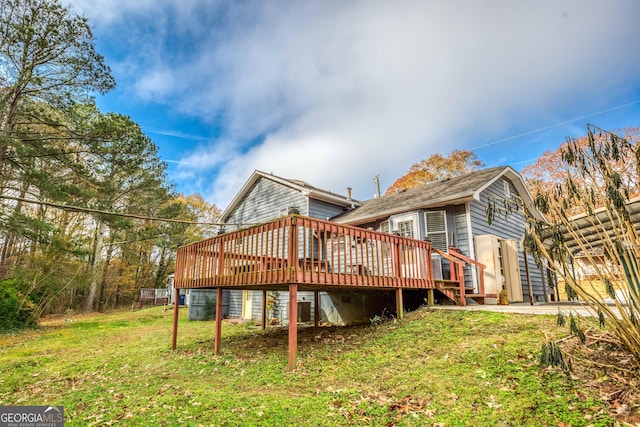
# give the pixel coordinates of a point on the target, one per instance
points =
(336, 93)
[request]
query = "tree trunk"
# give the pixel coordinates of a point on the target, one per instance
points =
(103, 282)
(95, 270)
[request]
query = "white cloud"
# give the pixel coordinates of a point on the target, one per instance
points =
(338, 92)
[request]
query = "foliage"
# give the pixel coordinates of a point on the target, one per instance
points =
(209, 308)
(551, 170)
(594, 185)
(47, 54)
(551, 355)
(16, 311)
(436, 168)
(56, 147)
(431, 368)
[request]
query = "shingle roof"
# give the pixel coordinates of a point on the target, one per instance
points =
(433, 194)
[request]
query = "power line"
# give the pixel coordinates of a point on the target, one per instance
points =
(555, 125)
(124, 215)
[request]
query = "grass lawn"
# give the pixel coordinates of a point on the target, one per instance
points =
(433, 368)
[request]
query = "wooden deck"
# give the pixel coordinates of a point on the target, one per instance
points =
(301, 253)
(315, 254)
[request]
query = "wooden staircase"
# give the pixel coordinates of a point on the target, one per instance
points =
(454, 288)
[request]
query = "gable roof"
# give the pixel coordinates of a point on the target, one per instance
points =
(452, 191)
(306, 190)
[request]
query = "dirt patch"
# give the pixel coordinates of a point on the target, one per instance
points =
(601, 364)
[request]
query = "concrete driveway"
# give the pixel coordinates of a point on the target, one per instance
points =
(577, 307)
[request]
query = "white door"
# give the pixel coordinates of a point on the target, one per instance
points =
(407, 226)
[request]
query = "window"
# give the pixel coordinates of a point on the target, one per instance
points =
(384, 226)
(405, 228)
(507, 189)
(436, 223)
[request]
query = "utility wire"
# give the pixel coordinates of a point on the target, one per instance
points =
(125, 215)
(554, 125)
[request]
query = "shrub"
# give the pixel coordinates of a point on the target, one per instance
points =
(16, 311)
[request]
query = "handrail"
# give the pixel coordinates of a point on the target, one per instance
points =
(455, 252)
(456, 256)
(308, 251)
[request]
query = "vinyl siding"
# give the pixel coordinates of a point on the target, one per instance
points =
(282, 305)
(461, 241)
(323, 210)
(264, 202)
(510, 226)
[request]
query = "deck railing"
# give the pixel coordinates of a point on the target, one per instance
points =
(306, 251)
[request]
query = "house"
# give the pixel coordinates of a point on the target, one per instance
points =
(452, 213)
(279, 247)
(263, 198)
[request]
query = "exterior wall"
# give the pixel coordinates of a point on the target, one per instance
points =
(457, 226)
(264, 202)
(510, 226)
(235, 303)
(461, 241)
(198, 300)
(280, 311)
(323, 210)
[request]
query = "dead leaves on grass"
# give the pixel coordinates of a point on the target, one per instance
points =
(368, 405)
(603, 366)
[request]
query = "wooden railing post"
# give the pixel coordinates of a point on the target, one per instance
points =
(293, 249)
(397, 262)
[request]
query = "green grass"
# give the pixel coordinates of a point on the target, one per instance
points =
(432, 368)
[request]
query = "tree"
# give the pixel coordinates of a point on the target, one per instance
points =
(125, 175)
(436, 168)
(48, 63)
(46, 54)
(551, 170)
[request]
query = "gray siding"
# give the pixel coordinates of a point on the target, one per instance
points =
(509, 226)
(461, 241)
(323, 210)
(235, 303)
(264, 202)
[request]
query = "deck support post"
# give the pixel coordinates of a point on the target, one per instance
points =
(216, 343)
(316, 309)
(293, 326)
(264, 309)
(399, 303)
(430, 299)
(176, 302)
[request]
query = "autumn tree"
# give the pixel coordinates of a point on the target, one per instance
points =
(551, 169)
(437, 167)
(48, 63)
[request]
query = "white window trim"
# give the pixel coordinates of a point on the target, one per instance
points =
(393, 223)
(446, 228)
